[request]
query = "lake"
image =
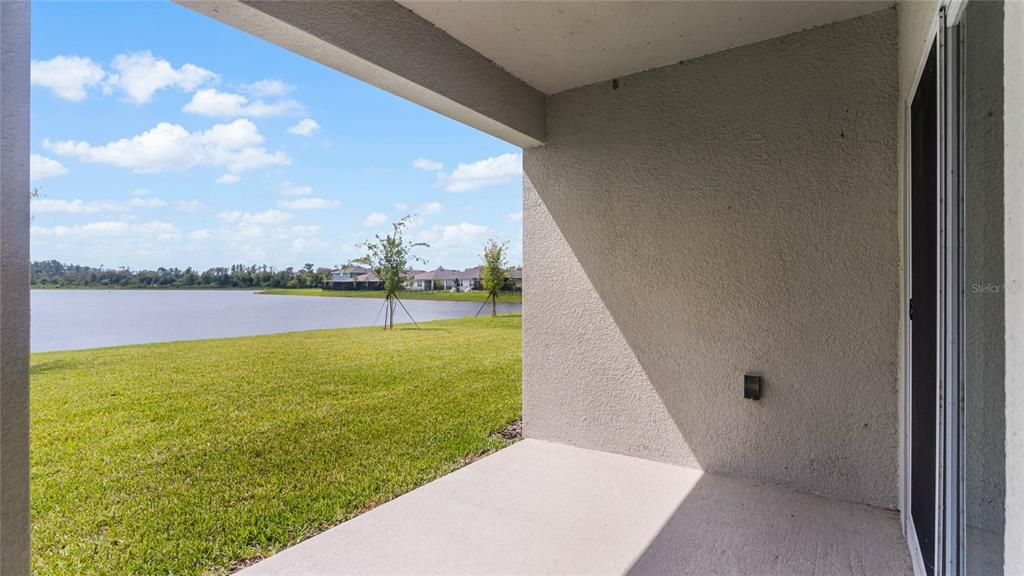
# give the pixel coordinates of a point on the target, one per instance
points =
(76, 319)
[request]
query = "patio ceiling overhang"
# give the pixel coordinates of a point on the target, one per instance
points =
(491, 65)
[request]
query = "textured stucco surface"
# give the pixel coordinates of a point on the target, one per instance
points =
(387, 45)
(731, 214)
(984, 325)
(916, 18)
(14, 293)
(543, 508)
(1013, 58)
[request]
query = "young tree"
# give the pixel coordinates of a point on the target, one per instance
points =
(32, 194)
(493, 275)
(389, 258)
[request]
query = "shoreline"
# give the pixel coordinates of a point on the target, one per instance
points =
(477, 296)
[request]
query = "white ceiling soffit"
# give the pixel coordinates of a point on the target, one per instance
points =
(555, 46)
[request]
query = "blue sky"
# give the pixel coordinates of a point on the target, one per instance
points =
(161, 137)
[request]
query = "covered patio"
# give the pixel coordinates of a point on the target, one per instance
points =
(714, 194)
(545, 508)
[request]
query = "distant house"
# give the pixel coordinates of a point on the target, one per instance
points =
(471, 278)
(361, 278)
(438, 279)
(515, 279)
(410, 278)
(348, 273)
(368, 281)
(345, 278)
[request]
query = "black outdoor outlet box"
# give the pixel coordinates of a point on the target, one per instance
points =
(751, 387)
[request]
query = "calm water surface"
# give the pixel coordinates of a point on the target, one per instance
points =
(74, 319)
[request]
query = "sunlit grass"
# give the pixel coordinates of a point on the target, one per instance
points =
(472, 296)
(190, 457)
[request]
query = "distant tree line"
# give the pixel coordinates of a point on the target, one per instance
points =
(54, 274)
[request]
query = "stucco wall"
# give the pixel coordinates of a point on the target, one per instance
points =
(14, 293)
(1013, 218)
(735, 213)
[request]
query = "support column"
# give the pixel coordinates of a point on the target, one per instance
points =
(14, 287)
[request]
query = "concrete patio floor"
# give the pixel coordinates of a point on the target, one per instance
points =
(542, 508)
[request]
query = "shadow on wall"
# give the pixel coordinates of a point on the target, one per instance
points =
(732, 214)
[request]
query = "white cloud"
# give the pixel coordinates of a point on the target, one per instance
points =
(146, 203)
(212, 102)
(79, 206)
(431, 208)
(401, 206)
(155, 230)
(40, 167)
(305, 230)
(309, 204)
(199, 235)
(91, 230)
(487, 172)
(189, 205)
(67, 76)
(141, 192)
(141, 75)
(375, 219)
(454, 243)
(453, 235)
(310, 245)
(305, 127)
(228, 179)
(59, 206)
(244, 231)
(237, 147)
(265, 218)
(163, 231)
(267, 88)
(249, 253)
(289, 189)
(515, 216)
(252, 237)
(428, 165)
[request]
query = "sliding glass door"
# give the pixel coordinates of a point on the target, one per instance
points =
(923, 249)
(955, 465)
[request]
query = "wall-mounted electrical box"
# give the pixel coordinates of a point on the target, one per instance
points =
(751, 387)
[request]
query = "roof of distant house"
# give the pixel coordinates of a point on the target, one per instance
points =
(363, 274)
(352, 269)
(438, 274)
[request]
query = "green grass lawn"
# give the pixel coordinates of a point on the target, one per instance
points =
(193, 457)
(474, 296)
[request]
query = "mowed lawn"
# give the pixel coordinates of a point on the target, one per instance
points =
(472, 296)
(193, 457)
